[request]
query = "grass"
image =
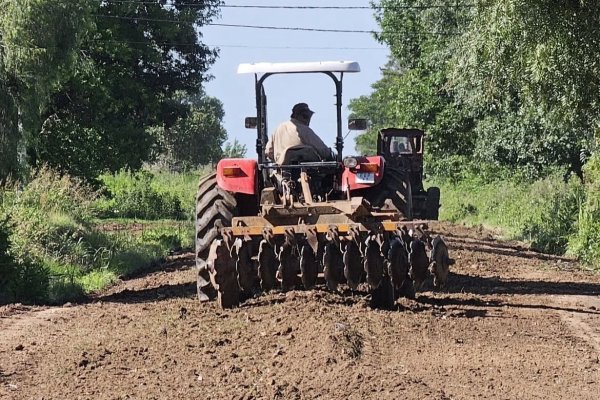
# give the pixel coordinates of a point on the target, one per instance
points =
(543, 213)
(149, 194)
(182, 185)
(54, 248)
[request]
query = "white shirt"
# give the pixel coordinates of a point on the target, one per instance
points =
(290, 134)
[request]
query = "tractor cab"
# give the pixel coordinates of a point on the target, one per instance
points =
(403, 148)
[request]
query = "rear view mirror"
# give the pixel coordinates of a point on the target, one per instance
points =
(357, 124)
(251, 122)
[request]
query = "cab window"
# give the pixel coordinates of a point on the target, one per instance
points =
(400, 145)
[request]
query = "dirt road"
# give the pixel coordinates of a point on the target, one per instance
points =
(513, 324)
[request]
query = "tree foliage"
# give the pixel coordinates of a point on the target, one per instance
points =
(413, 91)
(38, 50)
(139, 62)
(196, 137)
(234, 149)
(531, 69)
(514, 83)
(88, 81)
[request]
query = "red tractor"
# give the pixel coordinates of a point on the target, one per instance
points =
(263, 226)
(403, 149)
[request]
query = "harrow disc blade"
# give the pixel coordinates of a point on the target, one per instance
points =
(419, 263)
(267, 266)
(373, 263)
(309, 267)
(223, 275)
(397, 264)
(244, 265)
(333, 265)
(288, 267)
(382, 297)
(352, 264)
(439, 262)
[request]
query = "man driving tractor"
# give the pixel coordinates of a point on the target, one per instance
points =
(295, 141)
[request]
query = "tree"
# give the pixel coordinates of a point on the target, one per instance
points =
(413, 91)
(512, 83)
(196, 137)
(132, 65)
(529, 69)
(9, 134)
(38, 48)
(234, 150)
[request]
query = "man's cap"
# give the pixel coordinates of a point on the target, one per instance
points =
(301, 108)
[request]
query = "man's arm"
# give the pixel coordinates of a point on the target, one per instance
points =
(269, 150)
(310, 138)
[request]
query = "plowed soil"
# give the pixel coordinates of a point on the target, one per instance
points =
(511, 324)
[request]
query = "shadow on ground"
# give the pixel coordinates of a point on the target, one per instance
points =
(459, 283)
(163, 292)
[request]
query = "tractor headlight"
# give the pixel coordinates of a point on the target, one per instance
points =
(350, 162)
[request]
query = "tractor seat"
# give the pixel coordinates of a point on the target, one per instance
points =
(299, 154)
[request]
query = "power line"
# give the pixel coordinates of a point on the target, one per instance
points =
(291, 28)
(349, 7)
(286, 28)
(407, 7)
(242, 46)
(298, 47)
(5, 44)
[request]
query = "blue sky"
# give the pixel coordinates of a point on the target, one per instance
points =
(245, 45)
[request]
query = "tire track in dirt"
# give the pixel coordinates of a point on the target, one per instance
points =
(585, 324)
(14, 325)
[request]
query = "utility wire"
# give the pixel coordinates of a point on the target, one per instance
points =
(287, 28)
(149, 42)
(240, 46)
(375, 7)
(291, 28)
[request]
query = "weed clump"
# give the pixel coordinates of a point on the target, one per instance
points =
(135, 195)
(586, 241)
(52, 249)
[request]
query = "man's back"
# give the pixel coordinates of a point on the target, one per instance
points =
(294, 134)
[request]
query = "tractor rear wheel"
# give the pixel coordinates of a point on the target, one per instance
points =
(215, 208)
(432, 204)
(397, 185)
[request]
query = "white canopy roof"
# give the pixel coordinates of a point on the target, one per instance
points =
(318, 66)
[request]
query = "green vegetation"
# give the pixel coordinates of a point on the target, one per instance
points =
(90, 92)
(148, 195)
(586, 241)
(510, 83)
(543, 212)
(553, 214)
(132, 195)
(90, 86)
(506, 91)
(54, 249)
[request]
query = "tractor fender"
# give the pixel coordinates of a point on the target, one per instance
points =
(237, 175)
(353, 177)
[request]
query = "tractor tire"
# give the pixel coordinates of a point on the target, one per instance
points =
(432, 204)
(397, 185)
(215, 208)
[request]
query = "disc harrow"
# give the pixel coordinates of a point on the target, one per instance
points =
(389, 264)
